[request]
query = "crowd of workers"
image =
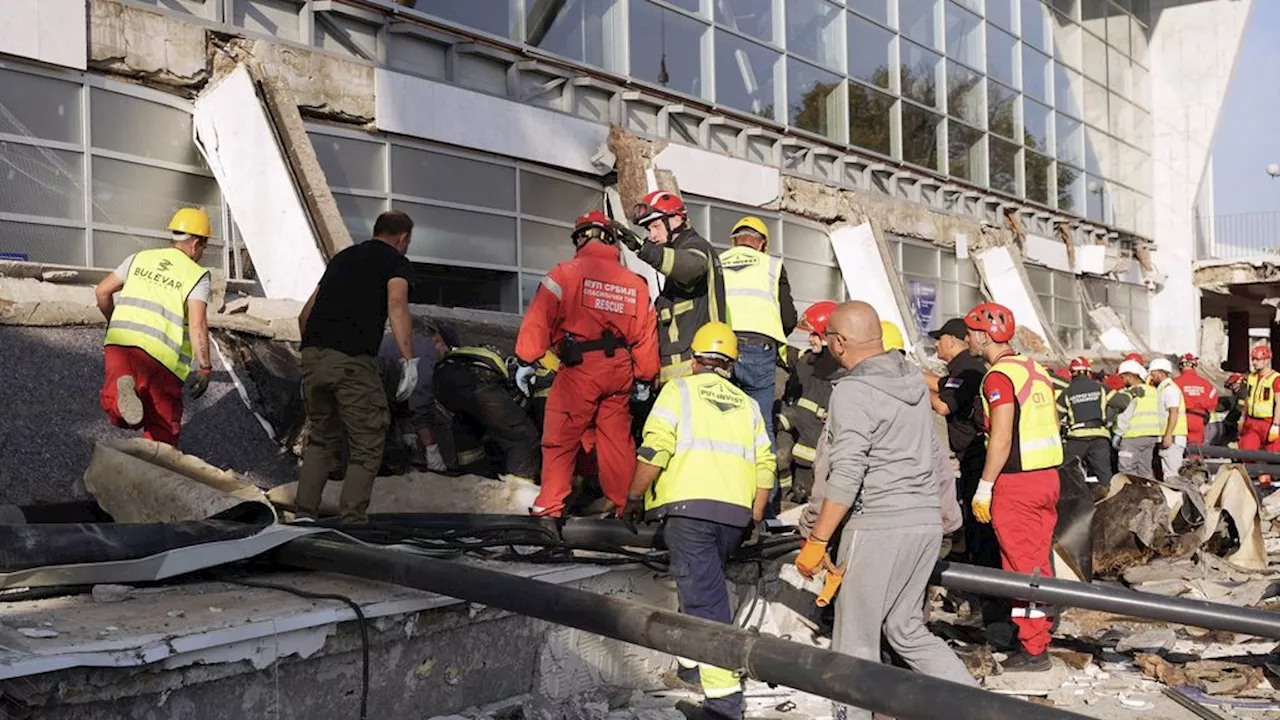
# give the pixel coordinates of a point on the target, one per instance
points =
(739, 424)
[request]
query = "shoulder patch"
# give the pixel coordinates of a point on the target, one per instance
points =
(954, 382)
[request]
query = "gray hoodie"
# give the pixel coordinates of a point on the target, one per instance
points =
(880, 435)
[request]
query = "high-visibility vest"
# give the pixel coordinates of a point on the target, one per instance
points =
(710, 440)
(1086, 403)
(1180, 425)
(1145, 420)
(1261, 401)
(151, 310)
(1037, 443)
(481, 357)
(751, 281)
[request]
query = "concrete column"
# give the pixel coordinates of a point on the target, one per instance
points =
(1238, 340)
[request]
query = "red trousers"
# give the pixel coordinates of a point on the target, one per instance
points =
(1024, 511)
(1253, 436)
(158, 388)
(595, 395)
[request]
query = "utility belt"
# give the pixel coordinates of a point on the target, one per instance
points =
(764, 342)
(1087, 425)
(1198, 413)
(571, 349)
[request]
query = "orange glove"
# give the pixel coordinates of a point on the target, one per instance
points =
(812, 557)
(1273, 433)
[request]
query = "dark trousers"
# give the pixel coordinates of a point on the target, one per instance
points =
(699, 550)
(483, 407)
(1094, 453)
(981, 546)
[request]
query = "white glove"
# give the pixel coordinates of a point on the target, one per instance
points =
(524, 379)
(640, 392)
(435, 461)
(408, 379)
(982, 501)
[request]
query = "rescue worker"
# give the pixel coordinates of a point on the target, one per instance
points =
(879, 450)
(1260, 425)
(1088, 441)
(1226, 419)
(1173, 416)
(761, 310)
(1019, 491)
(1139, 427)
(537, 385)
(411, 435)
(342, 323)
(804, 409)
(157, 330)
(474, 385)
(1201, 397)
(596, 316)
(693, 292)
(705, 469)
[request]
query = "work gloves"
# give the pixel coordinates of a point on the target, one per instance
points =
(627, 236)
(200, 382)
(982, 501)
(408, 378)
(1273, 433)
(633, 513)
(812, 557)
(525, 376)
(753, 536)
(435, 461)
(640, 392)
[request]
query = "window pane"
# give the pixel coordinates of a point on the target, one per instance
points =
(43, 243)
(1070, 189)
(345, 36)
(453, 179)
(723, 219)
(1068, 91)
(1034, 19)
(814, 98)
(813, 31)
(744, 75)
(1001, 56)
(693, 6)
(964, 37)
(1001, 117)
(749, 17)
(1066, 41)
(41, 181)
(146, 197)
(817, 281)
(1139, 49)
(110, 249)
(1004, 164)
(1070, 140)
(1069, 8)
(358, 214)
(350, 163)
(491, 16)
(1118, 31)
(1000, 12)
(577, 30)
(877, 10)
(1041, 280)
(138, 127)
(1037, 120)
(676, 59)
(270, 17)
(1121, 116)
(807, 243)
(542, 246)
(449, 234)
(40, 107)
(1118, 75)
(1035, 74)
(869, 120)
(416, 55)
(478, 288)
(967, 297)
(917, 21)
(870, 47)
(965, 95)
(1095, 57)
(1095, 105)
(1099, 200)
(556, 199)
(1093, 15)
(1039, 176)
(919, 74)
(966, 153)
(920, 136)
(918, 260)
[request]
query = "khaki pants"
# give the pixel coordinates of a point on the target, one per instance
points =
(344, 397)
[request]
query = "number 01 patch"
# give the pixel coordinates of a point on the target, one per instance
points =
(608, 297)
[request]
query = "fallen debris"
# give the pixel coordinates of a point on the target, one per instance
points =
(38, 632)
(110, 593)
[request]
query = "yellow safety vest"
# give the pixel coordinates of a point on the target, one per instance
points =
(481, 357)
(709, 439)
(1037, 443)
(1180, 426)
(1262, 402)
(151, 309)
(751, 281)
(1145, 420)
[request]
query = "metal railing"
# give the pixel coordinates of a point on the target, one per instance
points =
(1228, 237)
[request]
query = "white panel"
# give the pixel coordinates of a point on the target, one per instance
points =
(865, 276)
(1004, 280)
(1049, 253)
(1115, 340)
(709, 174)
(51, 31)
(235, 137)
(427, 109)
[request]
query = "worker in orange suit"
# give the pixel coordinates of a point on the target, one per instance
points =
(1259, 423)
(595, 314)
(1201, 396)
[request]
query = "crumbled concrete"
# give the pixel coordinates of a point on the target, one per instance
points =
(1213, 343)
(148, 45)
(28, 301)
(323, 85)
(111, 593)
(1220, 275)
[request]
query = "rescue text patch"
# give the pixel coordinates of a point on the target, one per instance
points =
(611, 298)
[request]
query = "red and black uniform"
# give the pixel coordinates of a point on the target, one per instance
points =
(692, 295)
(596, 315)
(1202, 399)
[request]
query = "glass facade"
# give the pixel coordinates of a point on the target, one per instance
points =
(928, 268)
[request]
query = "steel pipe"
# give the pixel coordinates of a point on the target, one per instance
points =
(843, 678)
(1217, 451)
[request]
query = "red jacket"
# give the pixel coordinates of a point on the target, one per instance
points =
(585, 296)
(1201, 397)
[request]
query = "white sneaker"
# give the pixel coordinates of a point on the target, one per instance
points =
(128, 404)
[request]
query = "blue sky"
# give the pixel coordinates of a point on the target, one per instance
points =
(1248, 136)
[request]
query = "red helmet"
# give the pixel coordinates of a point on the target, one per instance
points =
(1260, 352)
(1136, 357)
(1113, 382)
(1234, 379)
(1080, 364)
(816, 317)
(594, 225)
(993, 319)
(1062, 373)
(657, 205)
(1188, 359)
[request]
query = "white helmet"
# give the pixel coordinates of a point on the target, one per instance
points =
(1133, 367)
(1162, 364)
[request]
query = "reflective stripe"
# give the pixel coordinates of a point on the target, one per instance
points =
(686, 663)
(812, 407)
(1031, 611)
(154, 333)
(681, 307)
(466, 457)
(804, 452)
(718, 446)
(719, 692)
(664, 414)
(553, 286)
(745, 292)
(675, 371)
(150, 306)
(1040, 443)
(668, 261)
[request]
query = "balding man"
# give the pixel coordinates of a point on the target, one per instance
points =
(879, 432)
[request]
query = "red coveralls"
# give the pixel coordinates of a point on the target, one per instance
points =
(1253, 435)
(584, 297)
(158, 388)
(1202, 399)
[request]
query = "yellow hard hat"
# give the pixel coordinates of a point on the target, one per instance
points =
(715, 338)
(549, 362)
(891, 336)
(753, 223)
(192, 221)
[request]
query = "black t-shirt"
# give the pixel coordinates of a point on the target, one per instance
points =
(959, 390)
(350, 311)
